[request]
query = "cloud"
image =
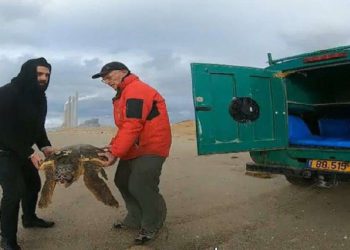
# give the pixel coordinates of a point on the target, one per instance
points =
(157, 39)
(87, 97)
(20, 10)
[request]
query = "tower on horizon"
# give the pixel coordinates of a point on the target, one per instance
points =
(70, 118)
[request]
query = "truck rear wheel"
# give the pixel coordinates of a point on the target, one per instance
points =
(300, 181)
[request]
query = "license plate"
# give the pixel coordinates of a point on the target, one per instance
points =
(339, 166)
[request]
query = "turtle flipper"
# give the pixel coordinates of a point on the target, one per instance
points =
(103, 173)
(48, 188)
(98, 187)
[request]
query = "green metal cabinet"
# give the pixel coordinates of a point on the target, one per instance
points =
(247, 109)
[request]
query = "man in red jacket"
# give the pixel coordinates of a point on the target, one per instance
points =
(142, 144)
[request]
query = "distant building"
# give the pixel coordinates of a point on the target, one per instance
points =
(90, 123)
(70, 119)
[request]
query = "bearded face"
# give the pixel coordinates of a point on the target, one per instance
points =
(43, 75)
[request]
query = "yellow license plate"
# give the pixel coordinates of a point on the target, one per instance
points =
(339, 166)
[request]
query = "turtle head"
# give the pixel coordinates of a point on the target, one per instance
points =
(64, 166)
(65, 173)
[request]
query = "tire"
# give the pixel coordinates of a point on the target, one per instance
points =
(300, 181)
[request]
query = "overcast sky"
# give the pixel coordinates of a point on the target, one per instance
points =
(157, 40)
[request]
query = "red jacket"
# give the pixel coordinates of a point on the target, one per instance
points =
(141, 117)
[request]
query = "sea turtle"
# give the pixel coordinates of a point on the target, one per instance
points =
(68, 164)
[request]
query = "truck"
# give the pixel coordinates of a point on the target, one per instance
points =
(292, 116)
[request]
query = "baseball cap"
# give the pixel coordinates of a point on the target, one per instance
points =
(109, 67)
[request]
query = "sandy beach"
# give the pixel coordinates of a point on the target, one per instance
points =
(211, 204)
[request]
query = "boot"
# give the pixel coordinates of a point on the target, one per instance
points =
(36, 222)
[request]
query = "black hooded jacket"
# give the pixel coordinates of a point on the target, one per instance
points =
(23, 108)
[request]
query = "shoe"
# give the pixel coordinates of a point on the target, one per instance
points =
(119, 225)
(6, 245)
(36, 222)
(144, 236)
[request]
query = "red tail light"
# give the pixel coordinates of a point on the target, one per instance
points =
(325, 57)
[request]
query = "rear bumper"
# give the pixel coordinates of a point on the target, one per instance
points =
(286, 170)
(274, 169)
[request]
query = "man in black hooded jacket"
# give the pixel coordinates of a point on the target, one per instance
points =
(23, 108)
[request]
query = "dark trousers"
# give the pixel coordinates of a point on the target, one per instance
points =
(137, 180)
(19, 181)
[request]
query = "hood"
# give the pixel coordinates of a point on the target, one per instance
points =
(27, 79)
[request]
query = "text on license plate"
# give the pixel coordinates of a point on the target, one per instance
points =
(341, 166)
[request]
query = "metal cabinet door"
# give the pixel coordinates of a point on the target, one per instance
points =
(238, 109)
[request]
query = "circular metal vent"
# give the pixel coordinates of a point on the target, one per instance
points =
(244, 109)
